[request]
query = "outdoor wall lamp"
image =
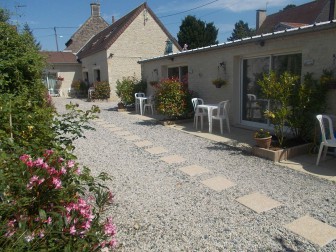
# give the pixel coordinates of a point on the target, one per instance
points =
(110, 56)
(262, 43)
(172, 58)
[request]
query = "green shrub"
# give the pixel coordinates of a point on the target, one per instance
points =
(173, 99)
(102, 91)
(127, 87)
(79, 88)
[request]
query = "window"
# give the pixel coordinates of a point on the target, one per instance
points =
(180, 73)
(252, 104)
(96, 74)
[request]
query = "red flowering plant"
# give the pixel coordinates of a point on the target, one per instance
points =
(50, 203)
(173, 99)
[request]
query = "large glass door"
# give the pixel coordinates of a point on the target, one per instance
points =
(253, 106)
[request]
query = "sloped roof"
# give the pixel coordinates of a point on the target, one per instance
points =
(104, 39)
(91, 27)
(59, 57)
(328, 25)
(308, 13)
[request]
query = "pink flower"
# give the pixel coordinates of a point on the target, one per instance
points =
(41, 234)
(112, 243)
(109, 228)
(57, 183)
(60, 160)
(49, 220)
(63, 170)
(30, 163)
(78, 171)
(48, 153)
(38, 162)
(24, 158)
(72, 230)
(71, 163)
(87, 225)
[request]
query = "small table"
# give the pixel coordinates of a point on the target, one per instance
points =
(141, 102)
(210, 108)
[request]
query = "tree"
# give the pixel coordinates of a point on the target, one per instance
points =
(289, 6)
(4, 15)
(29, 33)
(241, 30)
(196, 33)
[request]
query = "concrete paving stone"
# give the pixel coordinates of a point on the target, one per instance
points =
(258, 202)
(110, 125)
(132, 138)
(313, 230)
(194, 170)
(173, 159)
(144, 143)
(123, 133)
(156, 150)
(218, 183)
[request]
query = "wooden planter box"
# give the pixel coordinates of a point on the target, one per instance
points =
(281, 154)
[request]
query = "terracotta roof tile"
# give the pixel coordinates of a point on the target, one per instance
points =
(59, 57)
(104, 39)
(308, 13)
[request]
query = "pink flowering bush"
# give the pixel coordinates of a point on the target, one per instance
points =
(51, 204)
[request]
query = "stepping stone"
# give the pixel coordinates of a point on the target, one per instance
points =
(115, 129)
(313, 230)
(258, 202)
(218, 183)
(123, 133)
(144, 143)
(156, 150)
(132, 138)
(173, 159)
(194, 170)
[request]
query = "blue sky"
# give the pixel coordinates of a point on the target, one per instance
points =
(68, 15)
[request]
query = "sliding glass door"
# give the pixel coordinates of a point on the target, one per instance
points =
(253, 104)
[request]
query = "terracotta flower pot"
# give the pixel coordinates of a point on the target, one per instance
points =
(264, 142)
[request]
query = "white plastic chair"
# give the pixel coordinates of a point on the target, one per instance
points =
(137, 102)
(328, 138)
(221, 114)
(149, 104)
(198, 112)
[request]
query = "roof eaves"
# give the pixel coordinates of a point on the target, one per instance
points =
(236, 42)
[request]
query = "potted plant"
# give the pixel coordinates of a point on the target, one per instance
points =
(219, 82)
(263, 138)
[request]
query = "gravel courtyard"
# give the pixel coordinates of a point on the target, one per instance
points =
(178, 192)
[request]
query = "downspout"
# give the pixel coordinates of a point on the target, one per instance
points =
(332, 10)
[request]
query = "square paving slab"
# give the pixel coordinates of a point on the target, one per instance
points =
(132, 138)
(313, 230)
(173, 159)
(258, 202)
(194, 170)
(123, 133)
(110, 125)
(156, 150)
(218, 183)
(144, 143)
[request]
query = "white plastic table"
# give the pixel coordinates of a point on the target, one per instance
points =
(141, 102)
(210, 108)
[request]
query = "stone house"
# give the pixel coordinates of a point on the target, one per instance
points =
(114, 52)
(62, 69)
(306, 49)
(65, 63)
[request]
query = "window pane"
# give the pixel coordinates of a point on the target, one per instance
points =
(184, 75)
(291, 63)
(173, 72)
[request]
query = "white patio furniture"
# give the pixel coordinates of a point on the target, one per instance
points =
(149, 104)
(221, 114)
(327, 135)
(139, 99)
(198, 112)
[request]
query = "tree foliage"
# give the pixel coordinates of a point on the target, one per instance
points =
(197, 33)
(4, 15)
(241, 30)
(289, 6)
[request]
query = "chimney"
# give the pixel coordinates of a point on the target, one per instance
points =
(261, 16)
(95, 9)
(332, 10)
(113, 19)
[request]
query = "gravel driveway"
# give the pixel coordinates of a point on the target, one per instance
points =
(159, 207)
